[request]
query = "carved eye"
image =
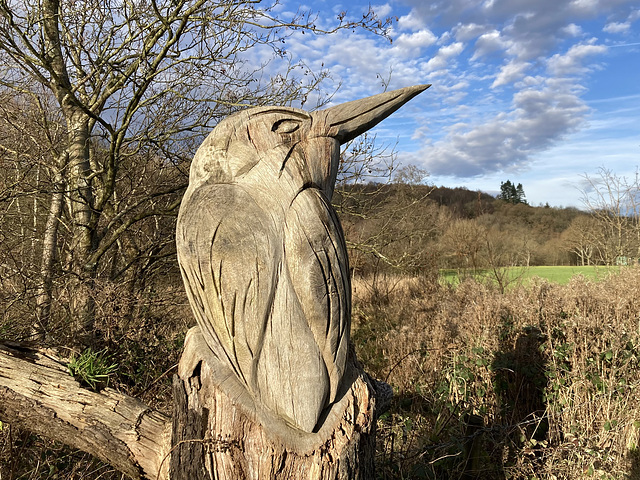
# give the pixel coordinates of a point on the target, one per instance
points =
(286, 126)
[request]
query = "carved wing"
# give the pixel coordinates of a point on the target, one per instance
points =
(228, 256)
(271, 296)
(319, 268)
(306, 340)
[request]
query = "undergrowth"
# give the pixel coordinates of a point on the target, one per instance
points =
(539, 382)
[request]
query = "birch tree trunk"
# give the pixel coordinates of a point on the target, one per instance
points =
(49, 245)
(84, 224)
(79, 169)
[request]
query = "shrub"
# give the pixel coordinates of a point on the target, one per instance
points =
(92, 369)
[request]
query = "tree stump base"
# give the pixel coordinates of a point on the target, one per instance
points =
(220, 433)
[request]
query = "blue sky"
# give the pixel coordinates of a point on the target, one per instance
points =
(538, 92)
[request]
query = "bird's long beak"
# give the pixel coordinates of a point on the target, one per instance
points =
(346, 121)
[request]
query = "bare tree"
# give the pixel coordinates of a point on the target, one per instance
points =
(584, 239)
(614, 201)
(384, 210)
(29, 138)
(131, 80)
(463, 241)
(506, 248)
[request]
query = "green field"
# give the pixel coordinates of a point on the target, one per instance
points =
(560, 275)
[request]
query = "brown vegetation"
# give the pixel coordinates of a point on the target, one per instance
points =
(97, 135)
(538, 382)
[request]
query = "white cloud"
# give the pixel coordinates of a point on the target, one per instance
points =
(410, 22)
(571, 63)
(412, 44)
(585, 6)
(441, 59)
(509, 73)
(382, 11)
(624, 27)
(459, 86)
(451, 50)
(488, 43)
(464, 33)
(572, 30)
(617, 27)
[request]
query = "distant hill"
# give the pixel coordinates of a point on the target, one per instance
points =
(411, 226)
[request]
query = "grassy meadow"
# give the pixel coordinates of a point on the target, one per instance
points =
(541, 380)
(555, 274)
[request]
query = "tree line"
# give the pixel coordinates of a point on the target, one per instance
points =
(413, 227)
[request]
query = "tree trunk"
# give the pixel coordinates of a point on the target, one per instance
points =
(78, 171)
(49, 244)
(218, 437)
(212, 436)
(84, 234)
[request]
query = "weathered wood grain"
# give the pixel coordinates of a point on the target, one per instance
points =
(38, 394)
(238, 440)
(263, 255)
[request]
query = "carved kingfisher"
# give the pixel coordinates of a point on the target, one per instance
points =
(262, 253)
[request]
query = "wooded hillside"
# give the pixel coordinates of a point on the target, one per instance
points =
(411, 228)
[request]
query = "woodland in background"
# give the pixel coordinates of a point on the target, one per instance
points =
(413, 228)
(416, 228)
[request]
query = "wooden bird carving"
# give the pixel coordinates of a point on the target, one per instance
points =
(262, 253)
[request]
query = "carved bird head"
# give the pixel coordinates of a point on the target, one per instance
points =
(282, 144)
